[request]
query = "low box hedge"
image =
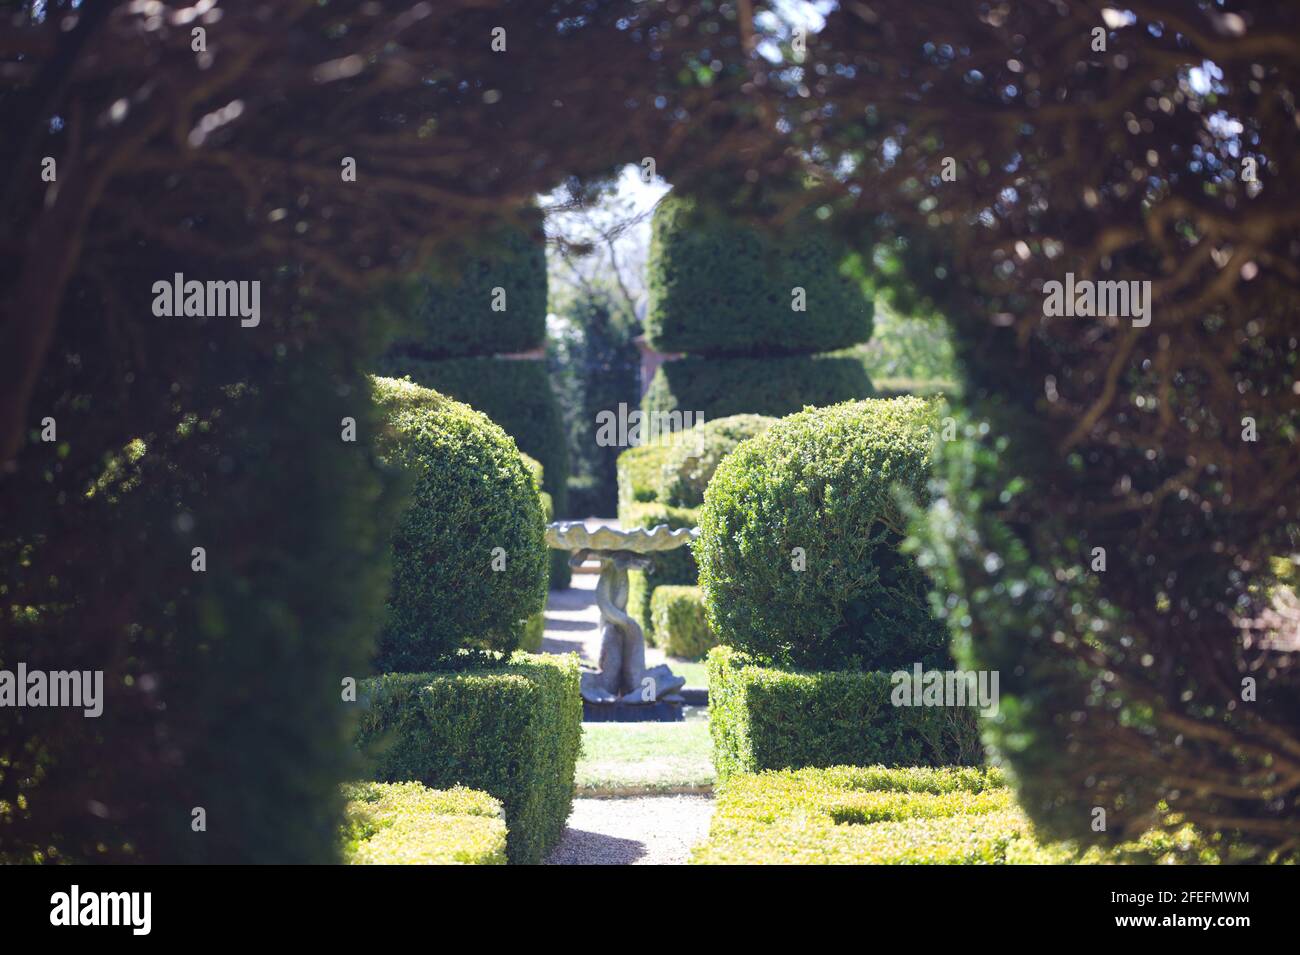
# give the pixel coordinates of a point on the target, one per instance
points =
(865, 816)
(720, 387)
(512, 729)
(671, 567)
(410, 824)
(762, 718)
(912, 816)
(681, 625)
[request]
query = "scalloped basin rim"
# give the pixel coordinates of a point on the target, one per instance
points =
(575, 535)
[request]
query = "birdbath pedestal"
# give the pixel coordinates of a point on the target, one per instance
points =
(622, 676)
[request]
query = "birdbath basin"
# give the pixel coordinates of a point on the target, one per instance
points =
(622, 676)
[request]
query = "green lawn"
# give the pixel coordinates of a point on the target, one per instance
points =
(620, 758)
(694, 671)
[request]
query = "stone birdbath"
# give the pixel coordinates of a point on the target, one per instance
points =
(622, 676)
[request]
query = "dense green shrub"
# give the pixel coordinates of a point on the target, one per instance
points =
(866, 816)
(914, 816)
(690, 461)
(800, 529)
(681, 625)
(763, 718)
(675, 566)
(721, 387)
(410, 824)
(594, 368)
(512, 730)
(471, 494)
(516, 395)
(724, 288)
(220, 684)
(455, 317)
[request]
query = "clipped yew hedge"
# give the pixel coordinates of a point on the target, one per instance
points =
(721, 287)
(764, 718)
(778, 386)
(512, 730)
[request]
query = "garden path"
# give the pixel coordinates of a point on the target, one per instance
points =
(633, 830)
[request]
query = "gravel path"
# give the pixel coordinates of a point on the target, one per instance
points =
(637, 830)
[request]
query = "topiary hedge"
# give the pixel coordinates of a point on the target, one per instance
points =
(763, 718)
(866, 816)
(916, 816)
(688, 464)
(471, 493)
(800, 530)
(410, 824)
(517, 396)
(455, 317)
(681, 625)
(719, 287)
(512, 730)
(721, 387)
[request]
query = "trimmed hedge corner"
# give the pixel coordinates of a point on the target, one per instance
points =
(680, 624)
(721, 387)
(799, 541)
(513, 731)
(762, 718)
(471, 493)
(410, 824)
(721, 287)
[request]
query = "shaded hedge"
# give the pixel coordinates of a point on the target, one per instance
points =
(720, 387)
(516, 395)
(195, 433)
(410, 824)
(455, 319)
(719, 287)
(512, 730)
(762, 718)
(471, 493)
(681, 624)
(799, 538)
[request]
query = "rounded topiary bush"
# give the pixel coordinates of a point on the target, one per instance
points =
(689, 462)
(721, 287)
(800, 528)
(471, 492)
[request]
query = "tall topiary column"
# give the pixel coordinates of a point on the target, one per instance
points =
(753, 313)
(479, 335)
